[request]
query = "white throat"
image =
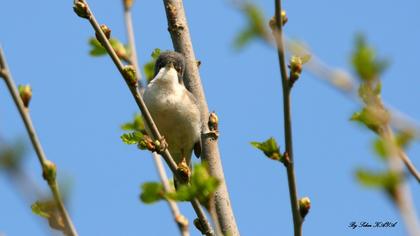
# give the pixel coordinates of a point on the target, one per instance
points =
(168, 74)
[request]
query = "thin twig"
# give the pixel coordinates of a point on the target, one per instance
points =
(278, 33)
(180, 219)
(24, 113)
(181, 40)
(410, 166)
(131, 41)
(402, 197)
(133, 87)
(347, 85)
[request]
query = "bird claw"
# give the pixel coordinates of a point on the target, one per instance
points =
(161, 145)
(183, 171)
(213, 134)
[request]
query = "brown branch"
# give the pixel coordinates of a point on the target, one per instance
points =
(131, 39)
(83, 10)
(278, 34)
(181, 40)
(180, 219)
(402, 195)
(47, 166)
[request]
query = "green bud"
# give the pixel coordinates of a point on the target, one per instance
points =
(50, 171)
(284, 18)
(304, 206)
(272, 22)
(213, 122)
(80, 8)
(25, 92)
(130, 75)
(106, 30)
(142, 145)
(183, 171)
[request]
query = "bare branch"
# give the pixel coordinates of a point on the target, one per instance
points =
(45, 163)
(131, 40)
(181, 40)
(180, 219)
(278, 34)
(402, 196)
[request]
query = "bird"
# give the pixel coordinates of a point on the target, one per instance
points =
(174, 109)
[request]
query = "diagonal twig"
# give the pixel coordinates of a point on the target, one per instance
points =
(180, 219)
(45, 163)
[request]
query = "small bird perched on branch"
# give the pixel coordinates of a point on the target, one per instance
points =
(174, 110)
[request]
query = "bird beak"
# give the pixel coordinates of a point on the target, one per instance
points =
(169, 65)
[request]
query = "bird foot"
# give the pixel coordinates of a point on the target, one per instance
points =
(183, 171)
(160, 145)
(213, 134)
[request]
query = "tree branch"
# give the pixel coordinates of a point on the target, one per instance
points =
(278, 34)
(181, 40)
(133, 87)
(402, 196)
(45, 163)
(131, 39)
(180, 219)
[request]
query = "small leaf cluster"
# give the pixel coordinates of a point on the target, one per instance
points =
(202, 185)
(149, 67)
(48, 209)
(270, 148)
(366, 64)
(136, 128)
(376, 117)
(122, 51)
(386, 180)
(255, 29)
(368, 68)
(402, 139)
(295, 66)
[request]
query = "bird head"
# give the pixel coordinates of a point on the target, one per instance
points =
(171, 59)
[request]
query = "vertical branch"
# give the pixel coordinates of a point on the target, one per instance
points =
(82, 9)
(180, 219)
(47, 166)
(278, 33)
(181, 40)
(131, 39)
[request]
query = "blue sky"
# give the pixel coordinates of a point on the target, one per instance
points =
(79, 103)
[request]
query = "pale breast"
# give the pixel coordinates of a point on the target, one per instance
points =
(176, 116)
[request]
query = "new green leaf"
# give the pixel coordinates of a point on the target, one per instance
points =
(201, 186)
(270, 148)
(49, 210)
(96, 48)
(255, 28)
(149, 68)
(374, 117)
(378, 179)
(152, 192)
(132, 138)
(365, 61)
(136, 125)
